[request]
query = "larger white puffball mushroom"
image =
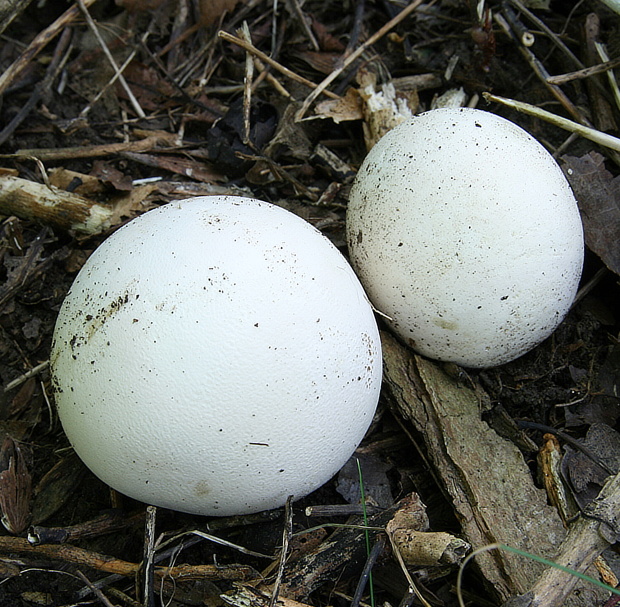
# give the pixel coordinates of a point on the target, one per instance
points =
(215, 356)
(465, 233)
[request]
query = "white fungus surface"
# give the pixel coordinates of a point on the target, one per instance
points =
(464, 231)
(215, 356)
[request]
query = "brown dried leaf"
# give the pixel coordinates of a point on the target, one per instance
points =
(326, 40)
(598, 195)
(127, 205)
(134, 6)
(212, 10)
(324, 63)
(586, 476)
(21, 401)
(346, 108)
(15, 487)
(78, 183)
(109, 174)
(57, 487)
(430, 548)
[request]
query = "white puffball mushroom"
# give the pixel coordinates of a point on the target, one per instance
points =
(465, 233)
(215, 356)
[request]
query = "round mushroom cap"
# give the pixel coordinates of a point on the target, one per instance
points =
(465, 233)
(216, 356)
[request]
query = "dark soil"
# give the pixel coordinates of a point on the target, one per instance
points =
(190, 83)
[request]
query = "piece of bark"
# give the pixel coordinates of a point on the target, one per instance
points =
(342, 552)
(52, 206)
(485, 475)
(594, 531)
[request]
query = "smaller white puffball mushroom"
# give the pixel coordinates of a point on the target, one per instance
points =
(465, 233)
(215, 356)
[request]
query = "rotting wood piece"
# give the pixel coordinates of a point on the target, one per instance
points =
(52, 206)
(344, 550)
(594, 531)
(486, 476)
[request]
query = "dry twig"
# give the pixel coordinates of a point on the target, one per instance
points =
(250, 48)
(541, 72)
(599, 137)
(59, 59)
(106, 51)
(391, 24)
(8, 77)
(109, 564)
(586, 72)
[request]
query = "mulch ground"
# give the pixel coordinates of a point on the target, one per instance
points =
(129, 105)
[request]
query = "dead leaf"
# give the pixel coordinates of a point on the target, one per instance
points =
(585, 475)
(411, 515)
(15, 487)
(110, 175)
(409, 534)
(324, 63)
(212, 10)
(78, 183)
(135, 6)
(374, 476)
(21, 401)
(430, 548)
(154, 92)
(345, 109)
(598, 195)
(290, 138)
(57, 487)
(326, 41)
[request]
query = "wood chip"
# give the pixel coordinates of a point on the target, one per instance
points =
(485, 475)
